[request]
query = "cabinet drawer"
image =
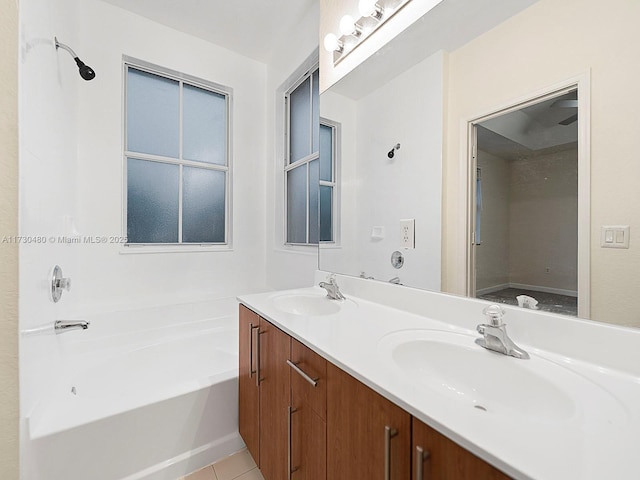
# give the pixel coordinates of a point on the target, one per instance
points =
(307, 368)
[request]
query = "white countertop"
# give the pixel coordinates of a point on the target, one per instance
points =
(597, 437)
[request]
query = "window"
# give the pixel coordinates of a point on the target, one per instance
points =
(177, 157)
(310, 186)
(329, 137)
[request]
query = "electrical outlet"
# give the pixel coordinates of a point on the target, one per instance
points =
(408, 233)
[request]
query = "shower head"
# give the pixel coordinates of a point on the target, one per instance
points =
(392, 152)
(86, 71)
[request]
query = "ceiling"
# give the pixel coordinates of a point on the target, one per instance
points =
(251, 28)
(532, 129)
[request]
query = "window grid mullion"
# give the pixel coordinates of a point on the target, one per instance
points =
(180, 158)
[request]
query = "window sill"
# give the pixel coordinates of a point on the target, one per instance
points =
(147, 249)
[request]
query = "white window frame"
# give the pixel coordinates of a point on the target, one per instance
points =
(336, 137)
(300, 162)
(181, 78)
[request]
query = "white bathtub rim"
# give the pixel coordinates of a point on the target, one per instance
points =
(47, 421)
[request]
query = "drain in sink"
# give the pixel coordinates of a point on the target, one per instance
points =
(480, 407)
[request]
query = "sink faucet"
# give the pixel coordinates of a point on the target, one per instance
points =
(494, 334)
(333, 291)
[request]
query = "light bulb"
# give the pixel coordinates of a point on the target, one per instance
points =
(370, 8)
(331, 43)
(348, 26)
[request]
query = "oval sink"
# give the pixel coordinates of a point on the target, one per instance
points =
(308, 304)
(453, 365)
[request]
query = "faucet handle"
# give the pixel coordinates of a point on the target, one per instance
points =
(494, 313)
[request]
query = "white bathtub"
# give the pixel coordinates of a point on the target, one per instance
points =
(141, 398)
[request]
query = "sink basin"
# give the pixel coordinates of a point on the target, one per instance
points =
(309, 304)
(451, 364)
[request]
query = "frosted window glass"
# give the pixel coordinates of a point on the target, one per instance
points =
(300, 122)
(152, 201)
(326, 153)
(153, 114)
(204, 126)
(203, 212)
(297, 205)
(315, 111)
(314, 209)
(326, 220)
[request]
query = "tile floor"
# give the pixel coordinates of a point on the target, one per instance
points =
(239, 466)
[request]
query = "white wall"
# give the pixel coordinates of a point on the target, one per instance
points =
(9, 252)
(529, 222)
(287, 267)
(48, 109)
(72, 167)
(343, 256)
(407, 110)
(107, 275)
(543, 221)
(548, 43)
(492, 254)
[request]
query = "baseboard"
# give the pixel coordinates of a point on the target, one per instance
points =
(189, 462)
(524, 286)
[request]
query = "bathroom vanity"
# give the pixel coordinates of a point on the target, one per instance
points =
(303, 417)
(396, 390)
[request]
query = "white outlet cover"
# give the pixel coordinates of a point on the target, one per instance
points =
(408, 233)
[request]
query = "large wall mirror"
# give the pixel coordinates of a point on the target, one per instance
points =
(502, 133)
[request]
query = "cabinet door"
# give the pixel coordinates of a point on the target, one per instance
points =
(360, 424)
(445, 459)
(274, 350)
(308, 417)
(249, 398)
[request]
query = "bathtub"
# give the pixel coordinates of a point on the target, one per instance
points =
(142, 396)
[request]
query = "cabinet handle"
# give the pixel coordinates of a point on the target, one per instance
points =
(290, 470)
(252, 327)
(258, 379)
(312, 381)
(421, 457)
(389, 433)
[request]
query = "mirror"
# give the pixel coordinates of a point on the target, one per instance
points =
(428, 87)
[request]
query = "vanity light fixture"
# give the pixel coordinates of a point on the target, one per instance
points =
(348, 26)
(374, 13)
(370, 8)
(332, 44)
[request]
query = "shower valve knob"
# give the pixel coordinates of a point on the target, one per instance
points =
(58, 284)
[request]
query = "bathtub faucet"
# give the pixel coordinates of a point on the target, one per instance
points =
(62, 326)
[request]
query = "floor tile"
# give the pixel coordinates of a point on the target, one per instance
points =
(206, 473)
(234, 466)
(251, 475)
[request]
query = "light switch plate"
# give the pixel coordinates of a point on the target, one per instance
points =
(614, 236)
(408, 233)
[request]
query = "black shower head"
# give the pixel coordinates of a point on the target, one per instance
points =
(86, 71)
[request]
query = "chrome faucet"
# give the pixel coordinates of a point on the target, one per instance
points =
(333, 291)
(62, 326)
(494, 334)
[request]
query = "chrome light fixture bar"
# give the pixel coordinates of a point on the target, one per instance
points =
(374, 13)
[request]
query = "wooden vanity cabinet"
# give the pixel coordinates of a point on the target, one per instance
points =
(308, 413)
(437, 457)
(264, 393)
(248, 389)
(303, 418)
(367, 435)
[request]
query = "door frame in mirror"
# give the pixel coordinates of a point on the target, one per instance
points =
(581, 83)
